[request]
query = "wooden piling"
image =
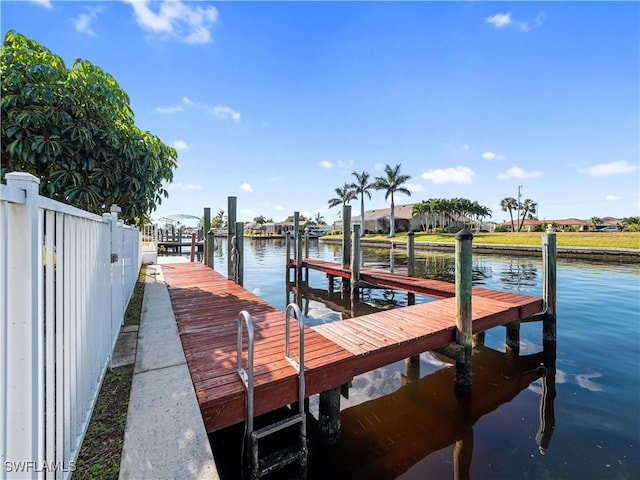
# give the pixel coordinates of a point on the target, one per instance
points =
(464, 334)
(287, 268)
(413, 369)
(411, 260)
(193, 247)
(239, 269)
(512, 341)
(355, 263)
(549, 257)
(232, 203)
(306, 252)
(329, 415)
(299, 257)
(206, 227)
(346, 244)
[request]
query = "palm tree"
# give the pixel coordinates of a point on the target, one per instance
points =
(392, 183)
(595, 221)
(361, 187)
(319, 220)
(423, 210)
(527, 206)
(509, 204)
(345, 195)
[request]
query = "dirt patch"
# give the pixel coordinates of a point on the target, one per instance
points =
(99, 457)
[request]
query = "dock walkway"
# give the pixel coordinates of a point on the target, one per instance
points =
(206, 305)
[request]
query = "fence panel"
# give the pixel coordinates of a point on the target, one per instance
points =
(63, 296)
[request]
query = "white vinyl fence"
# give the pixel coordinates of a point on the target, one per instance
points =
(66, 277)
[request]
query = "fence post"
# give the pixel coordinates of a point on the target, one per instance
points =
(464, 332)
(24, 404)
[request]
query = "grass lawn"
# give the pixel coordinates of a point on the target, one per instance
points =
(564, 239)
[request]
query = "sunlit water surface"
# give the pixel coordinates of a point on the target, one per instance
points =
(595, 428)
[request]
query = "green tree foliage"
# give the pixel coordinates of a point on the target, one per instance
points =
(509, 204)
(73, 128)
(361, 187)
(392, 183)
(344, 196)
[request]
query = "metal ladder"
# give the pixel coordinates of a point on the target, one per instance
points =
(279, 459)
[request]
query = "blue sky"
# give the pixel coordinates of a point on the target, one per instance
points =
(278, 103)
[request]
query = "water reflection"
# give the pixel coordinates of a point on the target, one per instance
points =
(385, 437)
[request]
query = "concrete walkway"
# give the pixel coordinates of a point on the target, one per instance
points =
(165, 436)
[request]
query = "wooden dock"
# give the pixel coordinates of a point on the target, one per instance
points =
(206, 306)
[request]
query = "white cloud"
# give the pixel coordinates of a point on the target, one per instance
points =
(172, 109)
(180, 145)
(184, 186)
(492, 156)
(378, 166)
(449, 175)
(279, 208)
(326, 164)
(345, 165)
(612, 198)
(176, 19)
(606, 169)
(45, 3)
(246, 187)
(499, 20)
(82, 21)
(517, 172)
(415, 187)
(188, 101)
(224, 113)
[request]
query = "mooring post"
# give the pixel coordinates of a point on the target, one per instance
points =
(306, 252)
(287, 268)
(549, 256)
(413, 369)
(206, 227)
(411, 260)
(193, 247)
(232, 203)
(355, 263)
(239, 272)
(464, 333)
(329, 415)
(299, 257)
(346, 244)
(296, 237)
(512, 341)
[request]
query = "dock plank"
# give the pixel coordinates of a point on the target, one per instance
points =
(206, 305)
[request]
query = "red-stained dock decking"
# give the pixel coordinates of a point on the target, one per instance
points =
(206, 307)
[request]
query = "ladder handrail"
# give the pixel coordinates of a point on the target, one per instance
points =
(246, 375)
(298, 365)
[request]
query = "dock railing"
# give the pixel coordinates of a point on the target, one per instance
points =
(66, 277)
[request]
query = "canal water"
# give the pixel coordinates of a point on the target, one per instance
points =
(569, 413)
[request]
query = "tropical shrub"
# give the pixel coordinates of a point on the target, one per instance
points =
(74, 129)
